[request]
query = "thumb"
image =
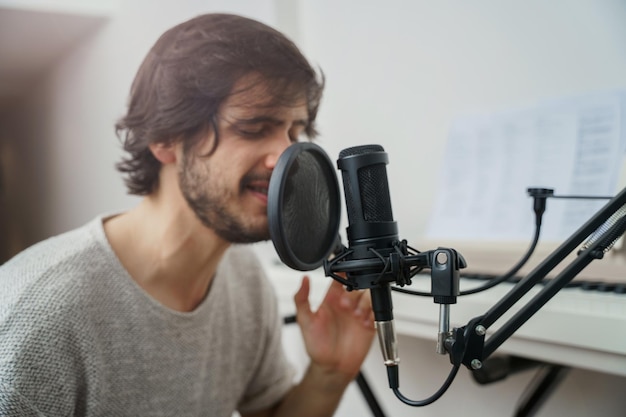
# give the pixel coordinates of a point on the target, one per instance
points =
(301, 299)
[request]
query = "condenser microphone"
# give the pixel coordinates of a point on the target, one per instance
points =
(372, 233)
(303, 200)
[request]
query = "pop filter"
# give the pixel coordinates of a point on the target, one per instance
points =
(303, 206)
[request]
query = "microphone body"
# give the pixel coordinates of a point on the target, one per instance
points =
(372, 233)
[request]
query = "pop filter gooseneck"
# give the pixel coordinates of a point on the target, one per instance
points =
(303, 207)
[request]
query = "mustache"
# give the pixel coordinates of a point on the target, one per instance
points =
(255, 177)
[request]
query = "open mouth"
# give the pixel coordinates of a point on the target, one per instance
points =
(257, 185)
(259, 189)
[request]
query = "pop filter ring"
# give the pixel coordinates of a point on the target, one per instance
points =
(276, 196)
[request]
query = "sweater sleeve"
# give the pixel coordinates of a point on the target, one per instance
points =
(39, 367)
(12, 403)
(39, 358)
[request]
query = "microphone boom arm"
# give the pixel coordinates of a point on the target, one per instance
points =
(469, 345)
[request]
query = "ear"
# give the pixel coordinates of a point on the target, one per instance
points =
(165, 153)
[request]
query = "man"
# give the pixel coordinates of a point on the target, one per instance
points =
(160, 311)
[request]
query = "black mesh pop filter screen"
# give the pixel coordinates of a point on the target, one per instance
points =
(304, 206)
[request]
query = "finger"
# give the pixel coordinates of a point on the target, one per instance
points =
(368, 322)
(301, 299)
(349, 300)
(334, 293)
(364, 304)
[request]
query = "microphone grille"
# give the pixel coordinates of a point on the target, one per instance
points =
(373, 186)
(375, 194)
(358, 150)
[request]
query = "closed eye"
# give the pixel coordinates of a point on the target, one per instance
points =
(262, 127)
(296, 134)
(254, 128)
(253, 133)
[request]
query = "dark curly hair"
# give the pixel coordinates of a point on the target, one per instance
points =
(187, 75)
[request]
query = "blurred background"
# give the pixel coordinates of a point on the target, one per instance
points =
(399, 73)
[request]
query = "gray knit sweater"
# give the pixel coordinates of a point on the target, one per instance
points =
(78, 337)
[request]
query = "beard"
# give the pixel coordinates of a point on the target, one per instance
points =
(210, 204)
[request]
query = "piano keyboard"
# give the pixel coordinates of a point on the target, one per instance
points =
(586, 285)
(581, 326)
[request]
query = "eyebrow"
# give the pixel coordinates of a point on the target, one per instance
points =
(267, 119)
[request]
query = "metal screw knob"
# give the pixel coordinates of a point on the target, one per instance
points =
(476, 364)
(442, 258)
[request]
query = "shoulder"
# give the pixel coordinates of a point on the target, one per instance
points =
(56, 250)
(40, 314)
(51, 269)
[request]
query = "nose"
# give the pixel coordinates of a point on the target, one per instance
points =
(276, 149)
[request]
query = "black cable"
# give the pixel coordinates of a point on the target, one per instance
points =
(410, 292)
(392, 373)
(539, 208)
(492, 283)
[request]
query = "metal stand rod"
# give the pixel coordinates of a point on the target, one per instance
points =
(370, 398)
(541, 388)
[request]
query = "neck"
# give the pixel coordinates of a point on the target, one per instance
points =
(167, 251)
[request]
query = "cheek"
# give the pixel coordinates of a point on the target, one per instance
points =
(231, 165)
(234, 166)
(225, 178)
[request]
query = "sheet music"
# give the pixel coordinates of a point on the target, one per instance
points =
(574, 146)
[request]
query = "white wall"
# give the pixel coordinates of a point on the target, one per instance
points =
(64, 129)
(397, 73)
